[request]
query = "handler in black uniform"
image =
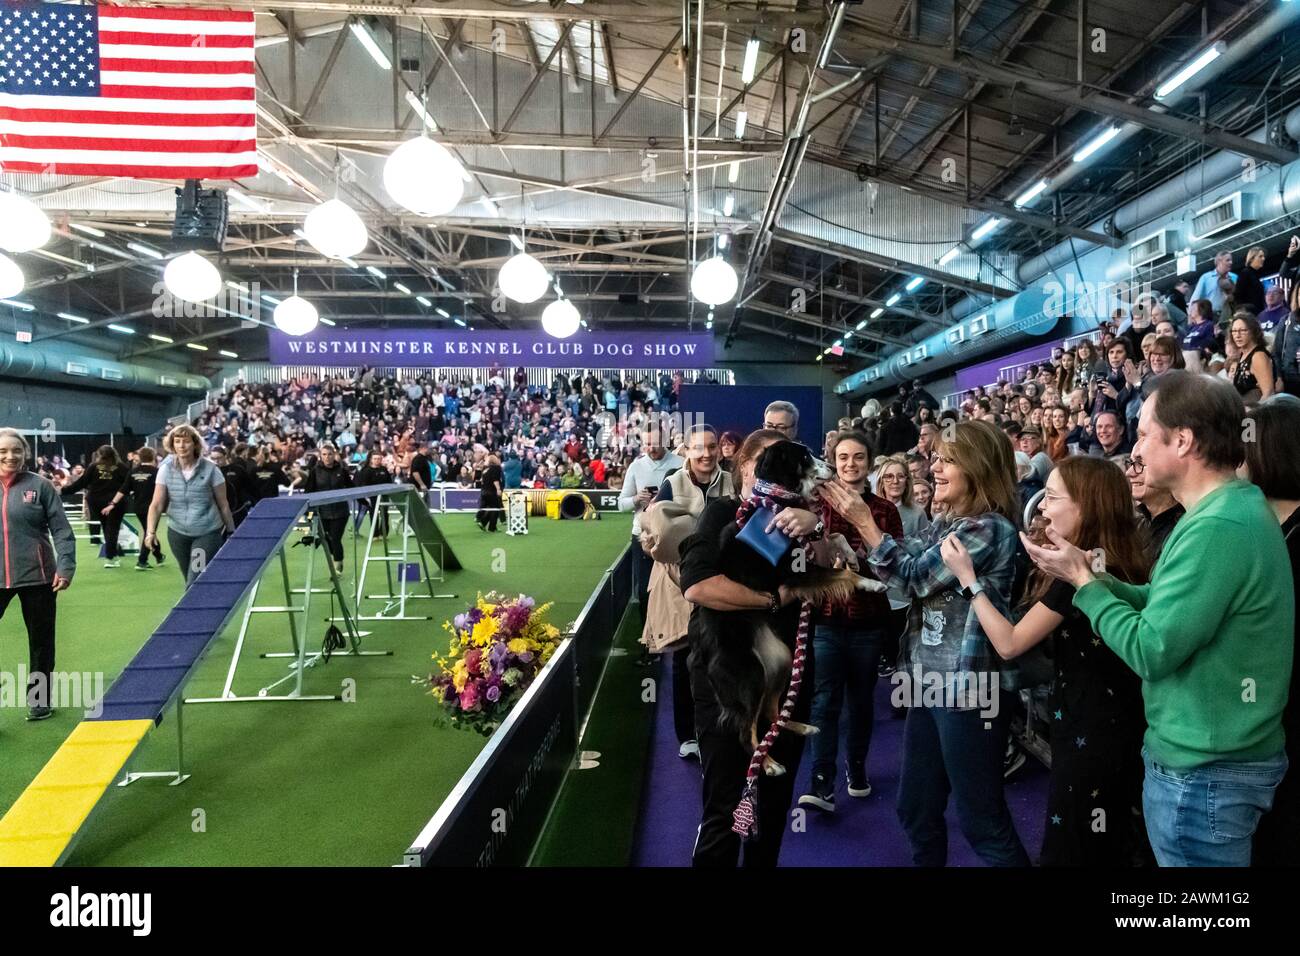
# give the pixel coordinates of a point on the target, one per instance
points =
(102, 481)
(238, 490)
(328, 473)
(138, 491)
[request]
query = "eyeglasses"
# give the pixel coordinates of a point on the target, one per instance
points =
(1136, 465)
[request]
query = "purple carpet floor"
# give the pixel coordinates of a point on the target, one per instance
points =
(861, 832)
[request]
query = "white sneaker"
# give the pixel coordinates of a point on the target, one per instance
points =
(689, 750)
(113, 564)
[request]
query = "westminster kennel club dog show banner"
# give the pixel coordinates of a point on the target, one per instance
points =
(425, 347)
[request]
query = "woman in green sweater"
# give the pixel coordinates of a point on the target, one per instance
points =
(1214, 650)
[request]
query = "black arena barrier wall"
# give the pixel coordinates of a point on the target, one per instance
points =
(497, 810)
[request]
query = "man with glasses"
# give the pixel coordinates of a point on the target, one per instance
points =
(641, 483)
(1157, 507)
(782, 417)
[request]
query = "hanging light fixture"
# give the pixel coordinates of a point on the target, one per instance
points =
(12, 280)
(523, 278)
(295, 315)
(335, 230)
(424, 177)
(560, 319)
(23, 225)
(192, 278)
(714, 281)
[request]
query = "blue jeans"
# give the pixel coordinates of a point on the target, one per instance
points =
(845, 658)
(958, 752)
(1207, 816)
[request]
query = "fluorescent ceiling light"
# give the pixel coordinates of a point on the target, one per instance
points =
(490, 205)
(892, 300)
(1198, 63)
(401, 288)
(723, 240)
(1030, 194)
(196, 347)
(327, 321)
(144, 250)
(121, 328)
(986, 229)
(733, 171)
(270, 298)
(729, 205)
(423, 301)
(742, 117)
(227, 354)
(73, 318)
(751, 61)
(377, 273)
(861, 325)
(414, 102)
(444, 313)
(950, 255)
(247, 201)
(88, 230)
(461, 323)
(915, 283)
(878, 313)
(161, 338)
(517, 242)
(232, 284)
(1095, 144)
(361, 33)
(25, 306)
(350, 262)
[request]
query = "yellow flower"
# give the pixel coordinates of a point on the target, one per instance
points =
(483, 631)
(517, 646)
(459, 675)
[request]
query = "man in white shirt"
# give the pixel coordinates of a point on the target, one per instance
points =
(640, 485)
(1031, 443)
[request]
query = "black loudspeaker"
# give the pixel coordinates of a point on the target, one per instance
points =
(201, 218)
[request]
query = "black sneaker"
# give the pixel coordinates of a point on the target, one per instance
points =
(40, 713)
(821, 794)
(886, 667)
(859, 785)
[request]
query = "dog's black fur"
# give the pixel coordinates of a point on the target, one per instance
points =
(747, 661)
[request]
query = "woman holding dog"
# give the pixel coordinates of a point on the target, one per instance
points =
(955, 736)
(724, 759)
(1096, 702)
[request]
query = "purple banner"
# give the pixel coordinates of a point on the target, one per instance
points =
(432, 348)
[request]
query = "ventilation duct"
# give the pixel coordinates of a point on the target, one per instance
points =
(1222, 214)
(52, 365)
(1152, 248)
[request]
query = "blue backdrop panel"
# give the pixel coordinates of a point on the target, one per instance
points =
(739, 408)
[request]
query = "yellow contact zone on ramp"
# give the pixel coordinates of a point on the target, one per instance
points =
(47, 815)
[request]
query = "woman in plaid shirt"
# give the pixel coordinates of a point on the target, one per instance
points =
(956, 732)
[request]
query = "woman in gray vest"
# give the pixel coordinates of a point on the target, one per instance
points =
(192, 491)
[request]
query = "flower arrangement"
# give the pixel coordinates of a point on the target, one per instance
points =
(497, 648)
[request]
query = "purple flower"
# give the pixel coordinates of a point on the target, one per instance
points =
(493, 693)
(526, 657)
(474, 616)
(449, 692)
(497, 656)
(527, 602)
(459, 622)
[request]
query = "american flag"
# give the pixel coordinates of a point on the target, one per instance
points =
(145, 92)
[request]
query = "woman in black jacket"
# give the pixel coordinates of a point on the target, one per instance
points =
(103, 483)
(328, 473)
(491, 483)
(373, 472)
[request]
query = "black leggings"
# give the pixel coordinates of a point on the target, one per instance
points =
(334, 528)
(142, 517)
(38, 604)
(111, 526)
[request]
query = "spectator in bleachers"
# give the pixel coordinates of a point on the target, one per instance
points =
(1111, 438)
(1248, 292)
(1252, 372)
(1216, 285)
(894, 485)
(1275, 310)
(1202, 331)
(1157, 508)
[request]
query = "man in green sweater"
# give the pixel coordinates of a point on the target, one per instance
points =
(1211, 636)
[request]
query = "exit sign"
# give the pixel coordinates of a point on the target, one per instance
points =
(837, 350)
(23, 336)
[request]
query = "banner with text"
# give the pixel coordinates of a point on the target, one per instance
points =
(426, 347)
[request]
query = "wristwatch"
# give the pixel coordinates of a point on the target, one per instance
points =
(774, 601)
(970, 592)
(819, 529)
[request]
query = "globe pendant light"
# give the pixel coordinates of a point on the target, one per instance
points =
(424, 177)
(523, 278)
(11, 278)
(23, 226)
(295, 315)
(560, 319)
(714, 281)
(335, 230)
(192, 278)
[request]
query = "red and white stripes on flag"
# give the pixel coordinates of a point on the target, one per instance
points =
(175, 98)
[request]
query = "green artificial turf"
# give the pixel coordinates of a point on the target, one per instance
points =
(289, 783)
(593, 822)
